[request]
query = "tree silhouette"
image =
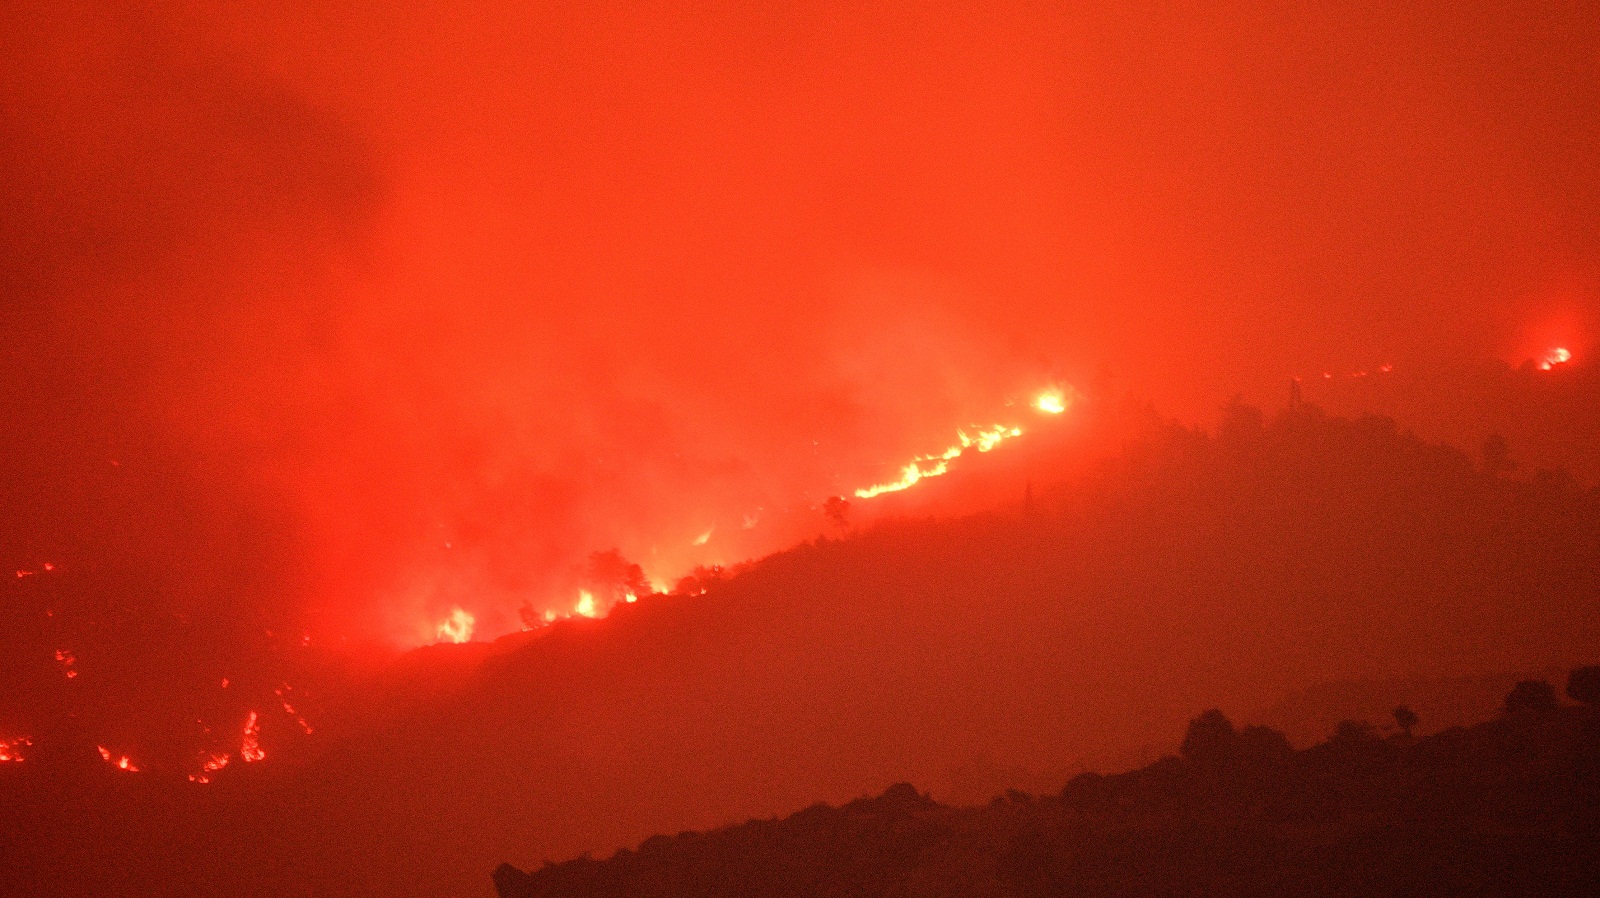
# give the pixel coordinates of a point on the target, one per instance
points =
(1534, 696)
(837, 510)
(1210, 738)
(1405, 718)
(612, 577)
(1583, 685)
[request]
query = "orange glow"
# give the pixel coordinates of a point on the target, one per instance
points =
(12, 750)
(121, 762)
(210, 762)
(250, 749)
(457, 627)
(1560, 355)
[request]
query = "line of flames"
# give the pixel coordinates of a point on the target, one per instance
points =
(458, 625)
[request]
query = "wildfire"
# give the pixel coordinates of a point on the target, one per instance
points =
(13, 750)
(586, 605)
(289, 710)
(66, 659)
(457, 627)
(1557, 356)
(1052, 401)
(210, 762)
(936, 464)
(250, 748)
(121, 762)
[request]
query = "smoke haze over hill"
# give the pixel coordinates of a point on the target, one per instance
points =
(338, 288)
(336, 330)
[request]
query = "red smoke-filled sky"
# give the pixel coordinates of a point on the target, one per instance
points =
(371, 309)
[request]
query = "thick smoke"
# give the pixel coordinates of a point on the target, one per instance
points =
(331, 319)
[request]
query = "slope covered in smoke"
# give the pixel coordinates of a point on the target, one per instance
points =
(1077, 629)
(1510, 807)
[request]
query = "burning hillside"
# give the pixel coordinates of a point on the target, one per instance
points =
(1183, 567)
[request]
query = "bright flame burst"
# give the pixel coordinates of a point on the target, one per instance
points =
(250, 748)
(1051, 402)
(457, 627)
(121, 762)
(13, 749)
(586, 605)
(1557, 356)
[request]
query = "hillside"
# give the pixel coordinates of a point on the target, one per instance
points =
(1014, 648)
(1509, 807)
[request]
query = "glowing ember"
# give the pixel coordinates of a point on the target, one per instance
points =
(457, 627)
(121, 762)
(66, 659)
(705, 537)
(210, 762)
(289, 710)
(1051, 402)
(250, 747)
(1556, 356)
(12, 750)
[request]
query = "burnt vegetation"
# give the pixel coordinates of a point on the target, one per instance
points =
(1508, 807)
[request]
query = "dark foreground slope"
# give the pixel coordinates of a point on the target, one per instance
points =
(1078, 631)
(1506, 808)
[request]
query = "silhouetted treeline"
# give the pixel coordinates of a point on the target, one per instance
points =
(1505, 808)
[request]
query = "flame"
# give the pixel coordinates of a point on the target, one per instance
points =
(210, 762)
(586, 604)
(457, 627)
(121, 762)
(1560, 355)
(289, 710)
(1052, 401)
(250, 748)
(11, 750)
(66, 659)
(939, 463)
